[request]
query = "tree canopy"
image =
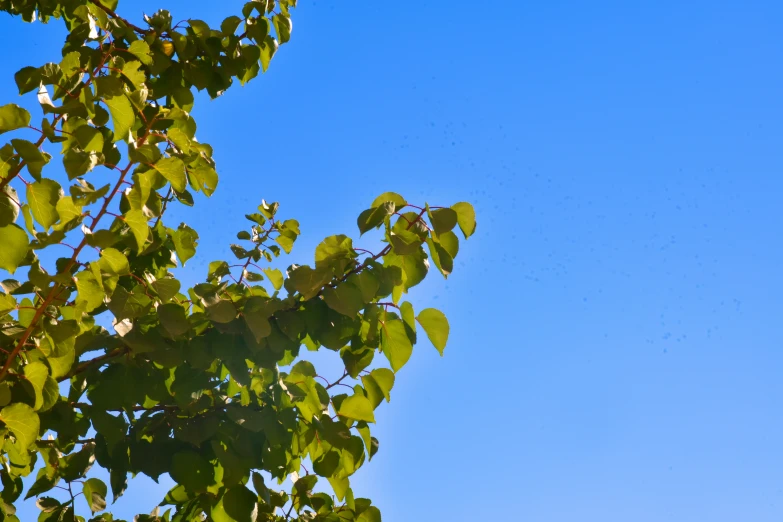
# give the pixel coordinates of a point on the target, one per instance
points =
(107, 360)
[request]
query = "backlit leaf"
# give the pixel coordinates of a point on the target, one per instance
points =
(139, 228)
(95, 492)
(436, 326)
(122, 116)
(173, 169)
(466, 218)
(22, 421)
(395, 343)
(13, 117)
(42, 196)
(14, 243)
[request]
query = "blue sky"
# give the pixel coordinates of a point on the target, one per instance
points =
(616, 342)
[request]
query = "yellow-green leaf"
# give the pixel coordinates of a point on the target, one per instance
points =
(14, 247)
(395, 343)
(466, 218)
(122, 116)
(13, 117)
(275, 277)
(436, 326)
(173, 169)
(137, 222)
(23, 423)
(357, 407)
(42, 196)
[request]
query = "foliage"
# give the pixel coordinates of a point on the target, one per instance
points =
(186, 382)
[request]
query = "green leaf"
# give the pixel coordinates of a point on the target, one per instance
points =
(404, 242)
(221, 311)
(305, 485)
(408, 317)
(450, 243)
(371, 514)
(141, 50)
(114, 262)
(122, 116)
(27, 79)
(249, 419)
(238, 504)
(340, 486)
(173, 169)
(166, 288)
(203, 177)
(8, 303)
(13, 117)
(392, 197)
(51, 394)
(441, 257)
(185, 242)
(268, 50)
(256, 313)
(9, 207)
(90, 291)
(282, 27)
(173, 318)
(309, 282)
(31, 154)
(68, 211)
(436, 326)
(45, 481)
(345, 299)
(89, 138)
(42, 196)
(373, 391)
(137, 222)
(373, 217)
(229, 26)
(95, 492)
(217, 269)
(5, 394)
(327, 464)
(275, 277)
(142, 188)
(466, 218)
(36, 374)
(367, 283)
(192, 471)
(129, 305)
(78, 163)
(23, 423)
(180, 139)
(47, 504)
(60, 354)
(334, 248)
(443, 220)
(384, 378)
(395, 343)
(251, 55)
(14, 243)
(76, 465)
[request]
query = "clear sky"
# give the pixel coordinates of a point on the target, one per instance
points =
(616, 320)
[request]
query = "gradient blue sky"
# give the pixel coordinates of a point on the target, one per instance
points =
(616, 322)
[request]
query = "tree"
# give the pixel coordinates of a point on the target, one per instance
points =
(205, 384)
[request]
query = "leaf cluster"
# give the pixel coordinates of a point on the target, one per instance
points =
(209, 384)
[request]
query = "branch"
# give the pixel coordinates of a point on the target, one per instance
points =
(54, 441)
(118, 17)
(335, 383)
(57, 288)
(98, 360)
(159, 407)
